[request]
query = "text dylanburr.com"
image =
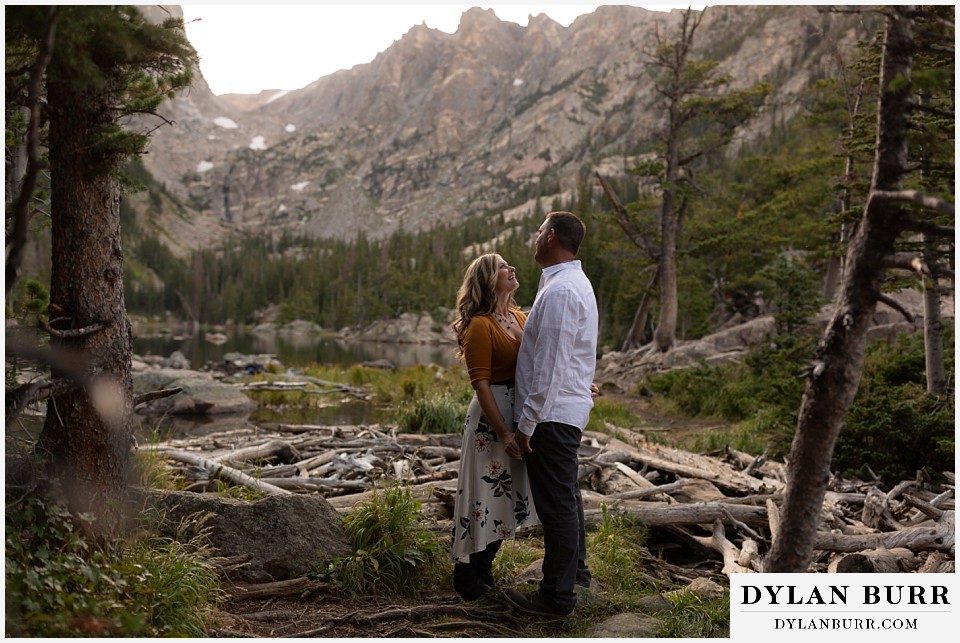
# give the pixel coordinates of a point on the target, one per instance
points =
(856, 607)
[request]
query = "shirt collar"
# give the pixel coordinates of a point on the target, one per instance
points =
(566, 265)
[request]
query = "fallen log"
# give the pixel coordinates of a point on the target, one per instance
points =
(689, 465)
(729, 552)
(657, 514)
(650, 491)
(293, 587)
(218, 470)
(316, 484)
(939, 537)
(271, 449)
(877, 561)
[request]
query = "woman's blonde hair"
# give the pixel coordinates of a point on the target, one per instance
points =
(477, 294)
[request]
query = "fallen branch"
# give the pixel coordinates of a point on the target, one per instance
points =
(940, 537)
(292, 587)
(143, 398)
(218, 470)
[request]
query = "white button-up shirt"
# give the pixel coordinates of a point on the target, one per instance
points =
(558, 353)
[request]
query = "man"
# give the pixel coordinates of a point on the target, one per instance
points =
(555, 369)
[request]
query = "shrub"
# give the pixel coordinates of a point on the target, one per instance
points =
(395, 552)
(895, 427)
(60, 584)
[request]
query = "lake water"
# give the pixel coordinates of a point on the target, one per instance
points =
(292, 350)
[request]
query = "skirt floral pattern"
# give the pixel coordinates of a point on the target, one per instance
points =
(493, 494)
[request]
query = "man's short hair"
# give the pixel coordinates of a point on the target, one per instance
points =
(570, 229)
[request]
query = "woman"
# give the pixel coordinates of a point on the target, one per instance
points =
(493, 496)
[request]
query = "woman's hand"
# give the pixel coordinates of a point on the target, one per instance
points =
(594, 390)
(511, 446)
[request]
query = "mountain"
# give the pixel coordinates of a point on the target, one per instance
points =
(444, 126)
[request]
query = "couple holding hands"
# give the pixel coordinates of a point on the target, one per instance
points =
(533, 378)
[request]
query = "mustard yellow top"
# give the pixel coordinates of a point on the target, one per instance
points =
(490, 352)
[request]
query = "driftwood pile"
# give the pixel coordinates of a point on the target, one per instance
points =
(722, 507)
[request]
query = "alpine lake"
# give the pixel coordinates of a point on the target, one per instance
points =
(205, 347)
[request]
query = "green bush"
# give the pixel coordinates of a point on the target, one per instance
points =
(396, 554)
(762, 393)
(895, 427)
(59, 584)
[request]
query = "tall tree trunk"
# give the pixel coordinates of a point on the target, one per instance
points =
(635, 335)
(87, 434)
(835, 374)
(665, 334)
(932, 325)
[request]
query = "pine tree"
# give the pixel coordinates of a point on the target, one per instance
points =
(96, 66)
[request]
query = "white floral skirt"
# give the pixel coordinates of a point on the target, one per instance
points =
(493, 493)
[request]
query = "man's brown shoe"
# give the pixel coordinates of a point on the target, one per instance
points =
(534, 603)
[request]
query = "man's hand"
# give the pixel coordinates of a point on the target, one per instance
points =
(523, 442)
(512, 447)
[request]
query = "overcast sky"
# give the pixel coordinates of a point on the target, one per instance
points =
(248, 48)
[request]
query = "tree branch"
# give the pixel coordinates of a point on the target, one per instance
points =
(21, 216)
(915, 196)
(73, 332)
(906, 261)
(932, 229)
(156, 395)
(623, 219)
(24, 395)
(896, 306)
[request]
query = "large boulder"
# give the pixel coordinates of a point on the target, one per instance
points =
(202, 394)
(285, 536)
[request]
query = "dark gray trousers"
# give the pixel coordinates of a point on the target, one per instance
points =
(552, 468)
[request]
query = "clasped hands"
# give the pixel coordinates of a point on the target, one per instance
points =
(516, 444)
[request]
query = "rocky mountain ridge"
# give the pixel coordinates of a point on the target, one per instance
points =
(443, 126)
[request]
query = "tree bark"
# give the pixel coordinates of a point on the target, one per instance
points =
(835, 373)
(87, 433)
(665, 334)
(932, 325)
(634, 337)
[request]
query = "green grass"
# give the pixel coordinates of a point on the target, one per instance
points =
(694, 616)
(60, 584)
(616, 550)
(606, 411)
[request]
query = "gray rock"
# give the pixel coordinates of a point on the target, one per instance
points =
(656, 604)
(201, 395)
(625, 626)
(176, 360)
(286, 536)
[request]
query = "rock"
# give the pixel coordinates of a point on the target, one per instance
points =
(176, 360)
(627, 625)
(299, 327)
(202, 394)
(266, 328)
(588, 598)
(656, 604)
(287, 536)
(532, 574)
(408, 328)
(702, 587)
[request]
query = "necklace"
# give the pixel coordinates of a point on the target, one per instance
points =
(505, 320)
